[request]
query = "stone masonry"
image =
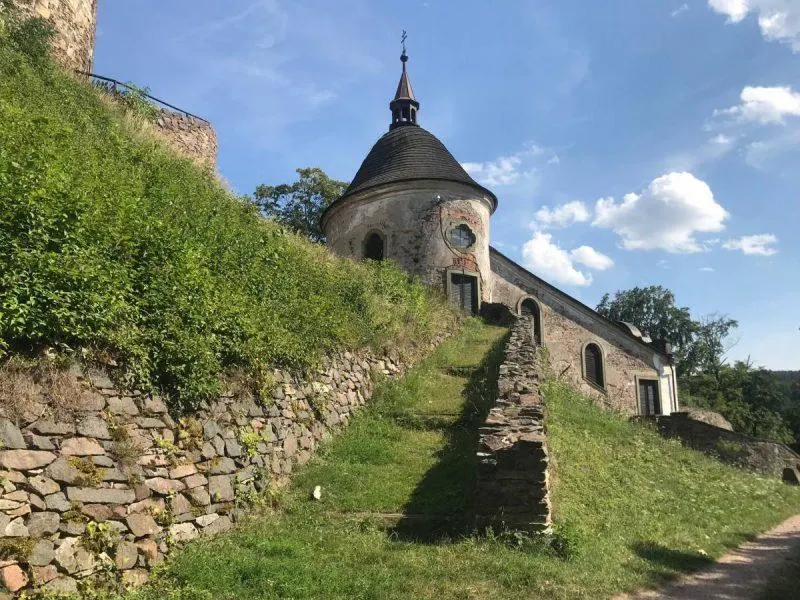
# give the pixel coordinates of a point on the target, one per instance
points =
(74, 23)
(189, 136)
(512, 488)
(146, 479)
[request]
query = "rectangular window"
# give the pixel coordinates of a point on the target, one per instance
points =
(649, 400)
(464, 292)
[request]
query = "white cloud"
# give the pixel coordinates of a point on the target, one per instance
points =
(764, 105)
(561, 216)
(543, 256)
(586, 255)
(759, 244)
(666, 215)
(706, 269)
(779, 20)
(681, 9)
(509, 170)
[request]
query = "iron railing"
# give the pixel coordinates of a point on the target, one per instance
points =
(116, 84)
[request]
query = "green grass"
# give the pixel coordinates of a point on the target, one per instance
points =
(111, 243)
(632, 509)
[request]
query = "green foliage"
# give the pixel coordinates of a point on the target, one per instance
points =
(299, 206)
(752, 399)
(698, 345)
(132, 98)
(100, 538)
(632, 509)
(112, 244)
(28, 35)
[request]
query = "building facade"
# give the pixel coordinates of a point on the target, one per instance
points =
(412, 202)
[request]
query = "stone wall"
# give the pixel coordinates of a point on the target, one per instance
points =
(767, 458)
(567, 326)
(74, 23)
(148, 478)
(189, 136)
(512, 489)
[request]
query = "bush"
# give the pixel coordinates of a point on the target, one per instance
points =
(111, 244)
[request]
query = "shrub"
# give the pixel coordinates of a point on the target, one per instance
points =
(111, 245)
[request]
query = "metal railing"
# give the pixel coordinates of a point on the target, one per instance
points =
(115, 84)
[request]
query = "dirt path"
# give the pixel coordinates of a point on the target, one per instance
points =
(739, 575)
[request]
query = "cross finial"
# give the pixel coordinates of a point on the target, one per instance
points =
(404, 56)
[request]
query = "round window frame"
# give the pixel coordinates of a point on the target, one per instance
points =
(462, 226)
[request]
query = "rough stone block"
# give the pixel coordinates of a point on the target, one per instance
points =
(25, 460)
(81, 446)
(10, 435)
(220, 488)
(101, 495)
(142, 524)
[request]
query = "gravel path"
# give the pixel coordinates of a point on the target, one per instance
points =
(740, 574)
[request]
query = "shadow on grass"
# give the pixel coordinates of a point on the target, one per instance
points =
(440, 507)
(667, 558)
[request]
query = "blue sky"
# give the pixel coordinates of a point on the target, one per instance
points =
(630, 142)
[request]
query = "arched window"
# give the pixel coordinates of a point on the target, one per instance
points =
(462, 237)
(593, 365)
(374, 247)
(529, 308)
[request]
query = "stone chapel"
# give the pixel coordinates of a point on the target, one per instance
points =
(413, 203)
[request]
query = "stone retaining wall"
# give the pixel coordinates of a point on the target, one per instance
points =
(512, 488)
(767, 458)
(119, 470)
(189, 136)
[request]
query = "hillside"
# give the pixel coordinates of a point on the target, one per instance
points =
(117, 251)
(631, 509)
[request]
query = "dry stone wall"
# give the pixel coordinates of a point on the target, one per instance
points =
(74, 23)
(189, 136)
(119, 467)
(512, 488)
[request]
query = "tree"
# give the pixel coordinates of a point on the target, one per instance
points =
(698, 345)
(299, 206)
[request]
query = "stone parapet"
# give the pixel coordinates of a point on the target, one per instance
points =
(512, 488)
(189, 136)
(110, 480)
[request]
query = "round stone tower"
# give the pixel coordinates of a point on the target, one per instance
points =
(413, 203)
(74, 24)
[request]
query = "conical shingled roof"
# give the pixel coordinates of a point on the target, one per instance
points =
(406, 154)
(404, 89)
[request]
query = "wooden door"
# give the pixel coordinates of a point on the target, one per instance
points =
(648, 397)
(464, 292)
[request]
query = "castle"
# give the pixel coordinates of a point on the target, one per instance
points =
(412, 202)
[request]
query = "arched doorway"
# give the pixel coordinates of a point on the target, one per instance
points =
(374, 247)
(530, 308)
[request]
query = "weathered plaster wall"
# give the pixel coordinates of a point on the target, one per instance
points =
(189, 136)
(512, 488)
(414, 218)
(152, 478)
(74, 22)
(565, 331)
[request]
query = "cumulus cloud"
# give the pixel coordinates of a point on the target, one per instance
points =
(706, 269)
(508, 170)
(666, 215)
(561, 216)
(779, 20)
(588, 256)
(545, 257)
(764, 105)
(758, 245)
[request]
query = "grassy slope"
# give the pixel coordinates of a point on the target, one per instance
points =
(412, 451)
(111, 242)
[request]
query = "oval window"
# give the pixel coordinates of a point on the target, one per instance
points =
(462, 236)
